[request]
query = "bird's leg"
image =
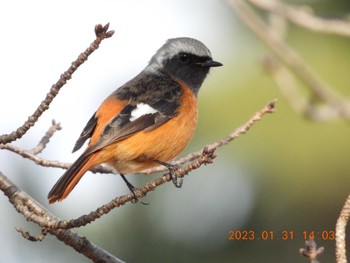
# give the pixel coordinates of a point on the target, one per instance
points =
(132, 190)
(177, 181)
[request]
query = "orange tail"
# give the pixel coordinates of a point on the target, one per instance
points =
(70, 178)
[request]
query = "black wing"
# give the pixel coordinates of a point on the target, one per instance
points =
(86, 133)
(118, 130)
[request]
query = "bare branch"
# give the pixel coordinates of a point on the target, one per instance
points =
(340, 232)
(311, 251)
(290, 89)
(102, 169)
(33, 213)
(20, 200)
(304, 17)
(29, 237)
(46, 139)
(38, 160)
(290, 58)
(206, 156)
(269, 108)
(101, 33)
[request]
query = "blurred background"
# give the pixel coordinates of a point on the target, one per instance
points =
(286, 174)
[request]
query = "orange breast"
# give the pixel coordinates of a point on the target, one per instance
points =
(163, 143)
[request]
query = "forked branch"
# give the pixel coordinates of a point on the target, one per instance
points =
(101, 33)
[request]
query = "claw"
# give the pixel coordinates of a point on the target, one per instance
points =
(177, 181)
(133, 190)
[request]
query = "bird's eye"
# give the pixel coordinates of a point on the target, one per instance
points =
(184, 58)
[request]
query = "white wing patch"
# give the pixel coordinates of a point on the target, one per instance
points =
(141, 109)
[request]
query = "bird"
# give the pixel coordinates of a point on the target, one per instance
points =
(146, 122)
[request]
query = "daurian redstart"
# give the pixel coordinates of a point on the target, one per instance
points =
(146, 122)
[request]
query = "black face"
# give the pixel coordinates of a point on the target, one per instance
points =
(188, 68)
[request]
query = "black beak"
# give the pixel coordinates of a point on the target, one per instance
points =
(210, 63)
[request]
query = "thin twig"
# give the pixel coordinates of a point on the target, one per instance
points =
(304, 17)
(101, 33)
(20, 199)
(290, 58)
(103, 169)
(311, 251)
(28, 155)
(269, 108)
(290, 89)
(48, 163)
(46, 139)
(29, 237)
(340, 232)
